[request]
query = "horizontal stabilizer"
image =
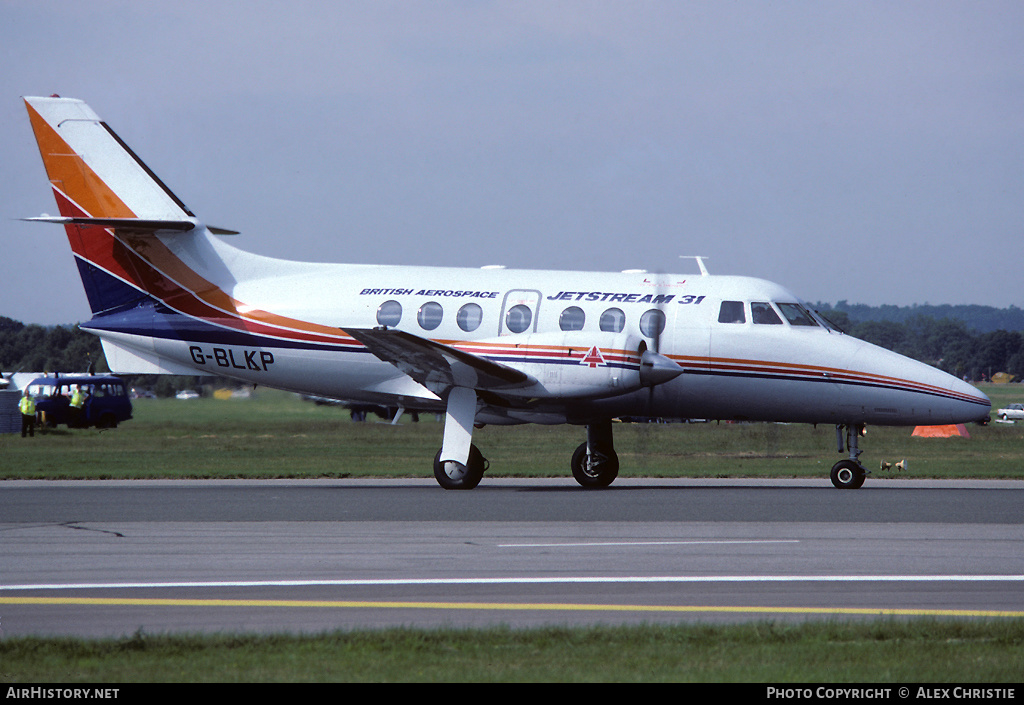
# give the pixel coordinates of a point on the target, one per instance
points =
(436, 366)
(136, 226)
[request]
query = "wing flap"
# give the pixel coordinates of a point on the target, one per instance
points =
(436, 366)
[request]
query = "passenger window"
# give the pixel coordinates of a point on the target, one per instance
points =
(731, 312)
(796, 314)
(429, 316)
(652, 323)
(469, 317)
(389, 313)
(762, 312)
(518, 318)
(613, 320)
(572, 318)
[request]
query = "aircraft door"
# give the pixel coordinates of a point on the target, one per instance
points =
(519, 311)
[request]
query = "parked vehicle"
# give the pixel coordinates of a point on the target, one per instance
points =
(105, 403)
(1013, 411)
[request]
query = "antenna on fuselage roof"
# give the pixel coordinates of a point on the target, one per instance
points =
(700, 263)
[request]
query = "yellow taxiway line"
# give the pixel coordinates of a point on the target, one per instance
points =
(519, 606)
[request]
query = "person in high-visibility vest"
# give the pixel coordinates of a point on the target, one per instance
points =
(27, 406)
(77, 407)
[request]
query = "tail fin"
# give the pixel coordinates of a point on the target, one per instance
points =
(94, 174)
(103, 191)
(151, 270)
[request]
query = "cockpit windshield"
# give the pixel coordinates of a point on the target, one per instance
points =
(767, 313)
(763, 313)
(797, 315)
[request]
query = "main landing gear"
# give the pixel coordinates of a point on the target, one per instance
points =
(849, 474)
(453, 475)
(459, 465)
(595, 464)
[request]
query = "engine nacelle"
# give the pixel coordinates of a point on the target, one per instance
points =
(585, 365)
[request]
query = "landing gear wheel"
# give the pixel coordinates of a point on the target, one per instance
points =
(848, 475)
(594, 469)
(453, 475)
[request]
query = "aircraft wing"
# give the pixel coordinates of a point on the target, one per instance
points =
(436, 366)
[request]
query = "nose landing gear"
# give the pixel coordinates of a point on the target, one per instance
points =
(849, 474)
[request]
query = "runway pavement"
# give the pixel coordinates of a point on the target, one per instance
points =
(113, 558)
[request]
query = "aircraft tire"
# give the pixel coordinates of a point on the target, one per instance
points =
(594, 475)
(452, 475)
(848, 475)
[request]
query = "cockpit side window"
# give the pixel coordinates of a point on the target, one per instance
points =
(797, 315)
(763, 313)
(731, 312)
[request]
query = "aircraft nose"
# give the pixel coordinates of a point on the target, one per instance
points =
(974, 405)
(913, 392)
(957, 400)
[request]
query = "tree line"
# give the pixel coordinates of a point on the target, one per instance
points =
(35, 348)
(961, 341)
(67, 349)
(979, 319)
(947, 343)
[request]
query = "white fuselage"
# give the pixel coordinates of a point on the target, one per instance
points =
(736, 369)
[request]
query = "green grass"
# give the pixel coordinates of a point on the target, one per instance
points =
(274, 434)
(924, 651)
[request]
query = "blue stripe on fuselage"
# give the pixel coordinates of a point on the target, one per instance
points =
(151, 319)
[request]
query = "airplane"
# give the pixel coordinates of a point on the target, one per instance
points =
(170, 295)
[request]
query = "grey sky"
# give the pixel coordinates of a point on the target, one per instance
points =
(868, 151)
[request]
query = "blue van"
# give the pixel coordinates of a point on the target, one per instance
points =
(106, 400)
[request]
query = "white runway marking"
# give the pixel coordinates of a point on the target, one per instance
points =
(529, 581)
(644, 543)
